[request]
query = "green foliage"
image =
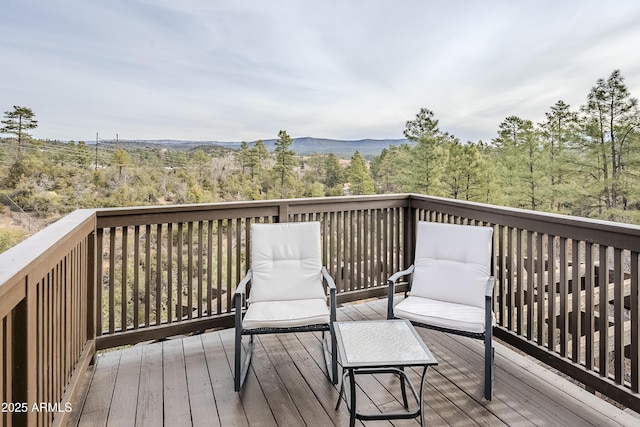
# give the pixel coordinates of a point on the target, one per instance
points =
(426, 165)
(120, 159)
(335, 174)
(583, 161)
(315, 189)
(360, 181)
(10, 236)
(389, 169)
(463, 179)
(523, 163)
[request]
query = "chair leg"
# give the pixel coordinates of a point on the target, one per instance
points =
(237, 383)
(330, 356)
(489, 365)
(334, 356)
(241, 368)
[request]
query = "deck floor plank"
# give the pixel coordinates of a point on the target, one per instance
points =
(189, 381)
(280, 401)
(150, 411)
(199, 384)
(220, 377)
(253, 399)
(307, 354)
(122, 412)
(296, 383)
(95, 410)
(177, 411)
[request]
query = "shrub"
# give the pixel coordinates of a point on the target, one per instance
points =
(10, 237)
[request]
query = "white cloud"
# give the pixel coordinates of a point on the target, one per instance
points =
(229, 70)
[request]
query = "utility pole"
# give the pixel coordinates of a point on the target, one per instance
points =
(116, 141)
(96, 168)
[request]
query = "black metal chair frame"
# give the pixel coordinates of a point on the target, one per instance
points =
(330, 355)
(487, 336)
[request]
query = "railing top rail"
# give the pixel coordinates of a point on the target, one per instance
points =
(584, 229)
(37, 249)
(114, 217)
(589, 230)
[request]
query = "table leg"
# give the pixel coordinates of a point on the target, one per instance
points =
(344, 375)
(352, 388)
(404, 390)
(349, 374)
(424, 372)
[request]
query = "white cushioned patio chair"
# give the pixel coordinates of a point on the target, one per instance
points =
(286, 289)
(451, 285)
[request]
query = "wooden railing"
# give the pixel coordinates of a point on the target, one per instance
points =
(47, 330)
(567, 288)
(173, 270)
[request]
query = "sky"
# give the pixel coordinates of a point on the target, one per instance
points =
(243, 70)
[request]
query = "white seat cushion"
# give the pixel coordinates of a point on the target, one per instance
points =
(442, 314)
(286, 314)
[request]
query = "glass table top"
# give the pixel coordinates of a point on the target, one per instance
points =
(374, 343)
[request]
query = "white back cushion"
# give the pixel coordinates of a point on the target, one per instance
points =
(452, 262)
(286, 261)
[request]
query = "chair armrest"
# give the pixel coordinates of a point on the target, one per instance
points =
(491, 283)
(240, 290)
(237, 299)
(332, 294)
(394, 278)
(392, 285)
(488, 310)
(243, 283)
(330, 282)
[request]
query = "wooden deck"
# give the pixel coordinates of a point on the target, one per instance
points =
(189, 381)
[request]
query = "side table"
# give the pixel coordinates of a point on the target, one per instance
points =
(381, 346)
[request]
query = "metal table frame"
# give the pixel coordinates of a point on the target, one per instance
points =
(381, 346)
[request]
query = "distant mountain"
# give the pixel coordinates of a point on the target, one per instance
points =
(302, 146)
(341, 148)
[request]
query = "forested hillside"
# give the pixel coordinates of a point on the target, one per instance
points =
(582, 160)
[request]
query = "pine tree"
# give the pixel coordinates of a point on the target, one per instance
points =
(424, 125)
(258, 155)
(120, 159)
(360, 181)
(283, 171)
(611, 120)
(426, 164)
(17, 122)
(389, 169)
(463, 179)
(522, 163)
(560, 137)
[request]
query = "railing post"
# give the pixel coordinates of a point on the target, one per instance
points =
(32, 345)
(19, 374)
(24, 343)
(92, 259)
(283, 212)
(409, 234)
